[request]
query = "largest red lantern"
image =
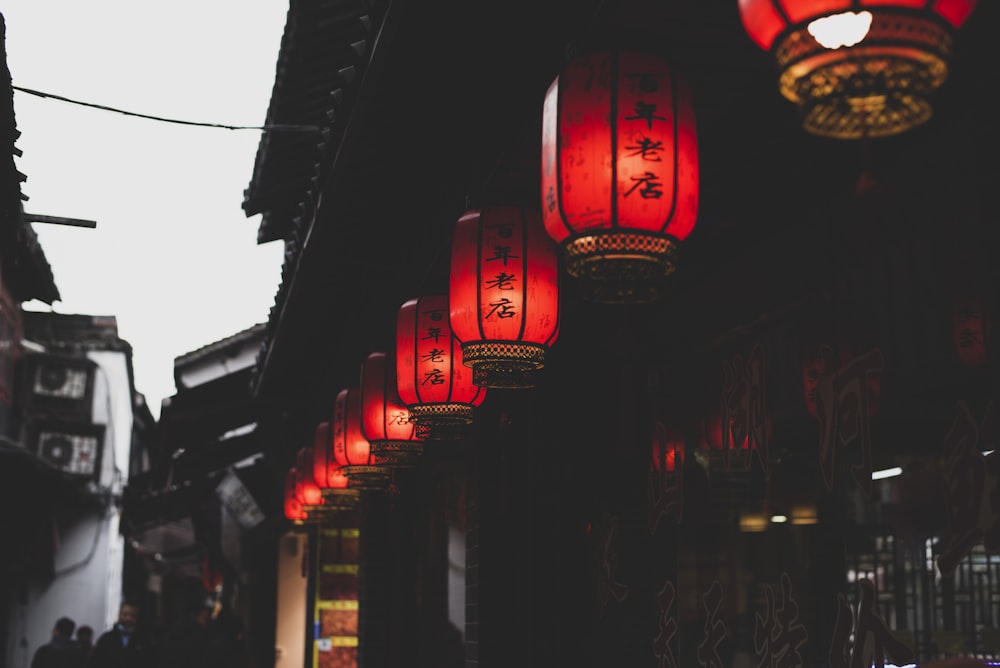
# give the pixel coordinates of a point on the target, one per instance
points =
(350, 447)
(385, 419)
(430, 376)
(619, 171)
(858, 68)
(504, 296)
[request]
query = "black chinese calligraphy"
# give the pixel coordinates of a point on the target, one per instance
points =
(744, 410)
(667, 627)
(607, 583)
(715, 629)
(844, 406)
(778, 634)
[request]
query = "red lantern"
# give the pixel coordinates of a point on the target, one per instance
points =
(350, 448)
(385, 420)
(306, 489)
(329, 476)
(432, 381)
(858, 68)
(619, 171)
(504, 296)
(293, 507)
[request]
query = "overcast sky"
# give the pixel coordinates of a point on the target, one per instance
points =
(173, 256)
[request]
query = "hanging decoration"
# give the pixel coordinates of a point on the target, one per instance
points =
(619, 172)
(858, 68)
(430, 377)
(351, 450)
(293, 507)
(337, 489)
(504, 295)
(306, 490)
(385, 421)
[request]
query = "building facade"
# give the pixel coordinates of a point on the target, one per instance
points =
(787, 458)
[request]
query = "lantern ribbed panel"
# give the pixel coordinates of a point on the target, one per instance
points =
(350, 448)
(504, 293)
(430, 377)
(326, 471)
(385, 420)
(293, 507)
(620, 195)
(306, 489)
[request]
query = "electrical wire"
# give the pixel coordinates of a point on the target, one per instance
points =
(267, 128)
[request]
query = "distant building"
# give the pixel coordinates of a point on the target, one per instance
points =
(71, 428)
(82, 426)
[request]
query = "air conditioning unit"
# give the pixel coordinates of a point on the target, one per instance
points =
(58, 385)
(72, 447)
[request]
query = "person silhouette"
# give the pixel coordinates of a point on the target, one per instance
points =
(125, 645)
(61, 651)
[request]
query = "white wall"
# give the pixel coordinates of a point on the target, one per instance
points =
(89, 549)
(289, 636)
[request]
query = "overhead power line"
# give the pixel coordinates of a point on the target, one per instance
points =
(266, 128)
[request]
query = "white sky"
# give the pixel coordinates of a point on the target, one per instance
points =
(173, 256)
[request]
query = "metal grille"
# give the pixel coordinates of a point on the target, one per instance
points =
(942, 617)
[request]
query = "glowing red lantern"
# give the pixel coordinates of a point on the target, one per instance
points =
(504, 296)
(329, 476)
(293, 507)
(619, 171)
(858, 68)
(350, 448)
(430, 377)
(385, 419)
(306, 489)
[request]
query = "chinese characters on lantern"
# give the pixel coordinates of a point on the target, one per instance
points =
(873, 641)
(433, 360)
(778, 635)
(744, 412)
(646, 180)
(844, 403)
(973, 487)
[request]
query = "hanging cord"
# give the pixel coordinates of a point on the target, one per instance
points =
(268, 128)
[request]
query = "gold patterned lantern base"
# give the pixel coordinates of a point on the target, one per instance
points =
(367, 477)
(398, 454)
(877, 88)
(621, 267)
(442, 432)
(341, 499)
(505, 364)
(443, 414)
